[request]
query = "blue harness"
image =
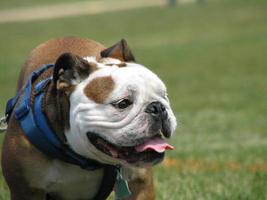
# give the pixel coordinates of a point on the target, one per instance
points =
(37, 130)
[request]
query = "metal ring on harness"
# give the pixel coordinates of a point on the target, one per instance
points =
(3, 124)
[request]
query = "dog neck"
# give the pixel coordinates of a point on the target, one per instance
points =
(56, 108)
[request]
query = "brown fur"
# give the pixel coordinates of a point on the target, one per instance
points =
(21, 161)
(119, 51)
(49, 51)
(99, 89)
(122, 64)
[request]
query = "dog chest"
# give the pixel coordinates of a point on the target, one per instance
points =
(71, 182)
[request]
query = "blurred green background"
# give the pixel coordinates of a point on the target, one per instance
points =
(213, 59)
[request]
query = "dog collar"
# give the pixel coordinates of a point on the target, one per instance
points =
(37, 130)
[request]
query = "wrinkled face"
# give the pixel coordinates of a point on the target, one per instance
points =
(120, 114)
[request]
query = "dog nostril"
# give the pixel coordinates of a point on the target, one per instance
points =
(163, 109)
(156, 109)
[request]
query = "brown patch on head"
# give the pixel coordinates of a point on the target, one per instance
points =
(99, 88)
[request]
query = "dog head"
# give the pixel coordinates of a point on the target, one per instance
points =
(119, 110)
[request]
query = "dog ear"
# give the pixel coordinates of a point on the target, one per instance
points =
(119, 51)
(69, 70)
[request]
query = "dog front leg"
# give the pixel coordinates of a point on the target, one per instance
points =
(140, 183)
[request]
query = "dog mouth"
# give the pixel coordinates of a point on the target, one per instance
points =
(151, 150)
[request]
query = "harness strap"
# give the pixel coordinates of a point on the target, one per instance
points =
(107, 183)
(26, 100)
(25, 105)
(10, 106)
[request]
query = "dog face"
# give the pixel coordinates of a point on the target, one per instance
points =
(119, 111)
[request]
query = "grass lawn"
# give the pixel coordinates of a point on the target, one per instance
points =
(213, 59)
(9, 4)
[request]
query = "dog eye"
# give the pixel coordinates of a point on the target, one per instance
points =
(122, 104)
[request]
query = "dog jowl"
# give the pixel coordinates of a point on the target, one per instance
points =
(101, 105)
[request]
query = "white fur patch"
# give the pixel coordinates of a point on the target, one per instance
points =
(104, 61)
(68, 181)
(90, 59)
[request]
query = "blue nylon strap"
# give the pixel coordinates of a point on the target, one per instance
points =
(33, 135)
(45, 139)
(10, 106)
(41, 85)
(42, 123)
(25, 105)
(26, 101)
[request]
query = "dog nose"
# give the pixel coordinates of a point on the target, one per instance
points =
(157, 110)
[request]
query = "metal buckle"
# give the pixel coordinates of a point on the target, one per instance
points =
(3, 124)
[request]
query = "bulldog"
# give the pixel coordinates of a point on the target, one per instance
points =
(103, 106)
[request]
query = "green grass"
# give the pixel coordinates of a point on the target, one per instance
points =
(10, 4)
(213, 60)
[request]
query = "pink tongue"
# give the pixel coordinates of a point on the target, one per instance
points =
(156, 144)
